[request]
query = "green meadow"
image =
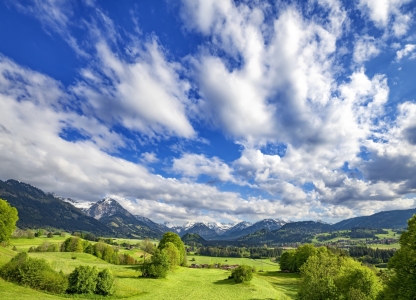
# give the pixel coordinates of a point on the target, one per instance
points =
(183, 283)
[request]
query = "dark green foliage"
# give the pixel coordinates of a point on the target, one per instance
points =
(105, 283)
(294, 260)
(38, 209)
(193, 240)
(83, 280)
(242, 273)
(159, 265)
(176, 240)
(401, 285)
(326, 275)
(8, 219)
(371, 256)
(34, 273)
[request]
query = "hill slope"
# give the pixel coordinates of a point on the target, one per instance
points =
(37, 209)
(384, 219)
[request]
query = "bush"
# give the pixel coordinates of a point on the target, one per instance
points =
(34, 273)
(105, 283)
(83, 280)
(159, 265)
(242, 274)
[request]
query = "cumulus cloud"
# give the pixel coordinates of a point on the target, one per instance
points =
(385, 12)
(193, 165)
(149, 157)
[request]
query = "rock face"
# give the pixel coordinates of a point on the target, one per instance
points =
(111, 213)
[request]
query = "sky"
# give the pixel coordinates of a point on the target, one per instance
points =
(212, 110)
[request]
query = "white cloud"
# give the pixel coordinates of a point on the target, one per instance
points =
(193, 165)
(365, 48)
(149, 157)
(385, 12)
(146, 95)
(407, 50)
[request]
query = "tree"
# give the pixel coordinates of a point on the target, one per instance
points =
(329, 276)
(159, 265)
(176, 240)
(148, 248)
(83, 280)
(401, 285)
(173, 254)
(8, 219)
(242, 273)
(105, 283)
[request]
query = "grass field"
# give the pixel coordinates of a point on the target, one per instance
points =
(260, 264)
(184, 283)
(23, 244)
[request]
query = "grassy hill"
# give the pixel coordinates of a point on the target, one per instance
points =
(184, 283)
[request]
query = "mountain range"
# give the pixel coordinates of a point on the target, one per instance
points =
(108, 217)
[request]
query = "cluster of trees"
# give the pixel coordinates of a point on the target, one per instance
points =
(326, 275)
(400, 283)
(329, 275)
(371, 256)
(361, 233)
(34, 273)
(45, 247)
(100, 250)
(252, 252)
(87, 280)
(169, 254)
(38, 274)
(294, 259)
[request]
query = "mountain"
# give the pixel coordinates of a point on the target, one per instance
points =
(268, 224)
(39, 209)
(220, 228)
(288, 233)
(384, 219)
(152, 225)
(201, 229)
(111, 213)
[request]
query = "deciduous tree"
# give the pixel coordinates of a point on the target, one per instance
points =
(8, 219)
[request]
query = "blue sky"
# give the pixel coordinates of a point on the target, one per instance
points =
(212, 110)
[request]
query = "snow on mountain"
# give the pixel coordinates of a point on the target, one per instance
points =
(220, 228)
(82, 205)
(105, 208)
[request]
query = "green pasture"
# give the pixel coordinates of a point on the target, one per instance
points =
(23, 244)
(260, 264)
(390, 234)
(184, 283)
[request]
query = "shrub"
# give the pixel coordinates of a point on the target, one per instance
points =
(105, 283)
(34, 273)
(159, 265)
(83, 280)
(242, 274)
